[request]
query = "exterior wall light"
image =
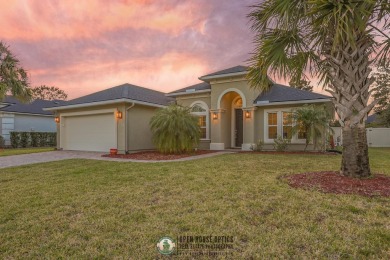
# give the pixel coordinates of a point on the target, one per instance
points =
(119, 114)
(247, 114)
(215, 116)
(57, 119)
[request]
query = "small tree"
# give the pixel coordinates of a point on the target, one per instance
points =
(384, 117)
(175, 130)
(312, 121)
(13, 78)
(381, 88)
(301, 84)
(48, 93)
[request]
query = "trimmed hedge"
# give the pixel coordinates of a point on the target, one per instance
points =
(2, 142)
(33, 139)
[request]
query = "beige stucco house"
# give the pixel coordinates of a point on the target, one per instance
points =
(231, 114)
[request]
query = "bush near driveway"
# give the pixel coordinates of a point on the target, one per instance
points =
(84, 209)
(33, 139)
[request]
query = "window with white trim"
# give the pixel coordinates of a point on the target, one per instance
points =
(199, 110)
(279, 122)
(287, 125)
(272, 125)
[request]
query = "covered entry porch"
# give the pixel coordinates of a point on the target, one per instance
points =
(232, 124)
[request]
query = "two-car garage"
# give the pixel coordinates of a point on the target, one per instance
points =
(88, 132)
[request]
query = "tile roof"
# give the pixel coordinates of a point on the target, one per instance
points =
(196, 87)
(281, 93)
(125, 91)
(235, 69)
(34, 107)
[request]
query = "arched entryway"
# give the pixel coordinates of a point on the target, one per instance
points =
(231, 102)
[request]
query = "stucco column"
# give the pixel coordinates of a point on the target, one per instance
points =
(249, 128)
(121, 130)
(216, 118)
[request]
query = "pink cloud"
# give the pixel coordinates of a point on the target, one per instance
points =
(85, 46)
(80, 19)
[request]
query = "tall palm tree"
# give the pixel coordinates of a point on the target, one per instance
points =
(174, 129)
(13, 78)
(335, 41)
(312, 121)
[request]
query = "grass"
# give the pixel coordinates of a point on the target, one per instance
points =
(17, 151)
(84, 209)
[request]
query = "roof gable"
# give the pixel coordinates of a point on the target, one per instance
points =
(125, 91)
(231, 70)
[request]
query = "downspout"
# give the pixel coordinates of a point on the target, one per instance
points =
(126, 126)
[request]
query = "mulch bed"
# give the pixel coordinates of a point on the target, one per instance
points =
(290, 152)
(333, 182)
(156, 156)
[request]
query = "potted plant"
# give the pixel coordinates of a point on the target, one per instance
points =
(113, 151)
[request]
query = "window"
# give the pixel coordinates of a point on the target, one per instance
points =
(202, 125)
(200, 110)
(287, 125)
(280, 122)
(272, 125)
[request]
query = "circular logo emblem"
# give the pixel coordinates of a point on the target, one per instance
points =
(166, 245)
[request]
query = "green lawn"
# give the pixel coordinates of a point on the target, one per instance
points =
(84, 209)
(7, 152)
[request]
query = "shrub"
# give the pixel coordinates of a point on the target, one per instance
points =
(15, 139)
(52, 139)
(174, 129)
(24, 139)
(34, 139)
(258, 147)
(2, 142)
(281, 144)
(42, 139)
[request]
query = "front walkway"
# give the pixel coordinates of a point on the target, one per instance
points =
(25, 159)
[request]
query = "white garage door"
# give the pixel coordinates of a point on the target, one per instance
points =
(89, 133)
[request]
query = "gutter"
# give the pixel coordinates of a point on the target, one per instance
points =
(126, 126)
(267, 103)
(99, 103)
(24, 113)
(188, 92)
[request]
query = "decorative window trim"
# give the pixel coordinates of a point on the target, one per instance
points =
(206, 113)
(279, 112)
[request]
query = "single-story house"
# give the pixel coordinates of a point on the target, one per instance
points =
(25, 117)
(231, 114)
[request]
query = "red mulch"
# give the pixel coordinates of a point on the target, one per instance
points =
(290, 152)
(156, 156)
(333, 182)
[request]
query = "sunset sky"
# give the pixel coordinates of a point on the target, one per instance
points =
(85, 46)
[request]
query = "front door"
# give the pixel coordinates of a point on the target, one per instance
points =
(238, 127)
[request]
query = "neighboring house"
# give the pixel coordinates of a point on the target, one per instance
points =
(25, 117)
(231, 114)
(374, 120)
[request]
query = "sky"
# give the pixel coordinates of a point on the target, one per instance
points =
(85, 46)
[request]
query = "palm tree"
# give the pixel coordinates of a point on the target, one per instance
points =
(13, 78)
(175, 130)
(336, 41)
(312, 122)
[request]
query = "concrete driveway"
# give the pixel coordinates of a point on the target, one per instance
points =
(24, 159)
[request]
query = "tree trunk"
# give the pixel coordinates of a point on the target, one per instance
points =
(355, 162)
